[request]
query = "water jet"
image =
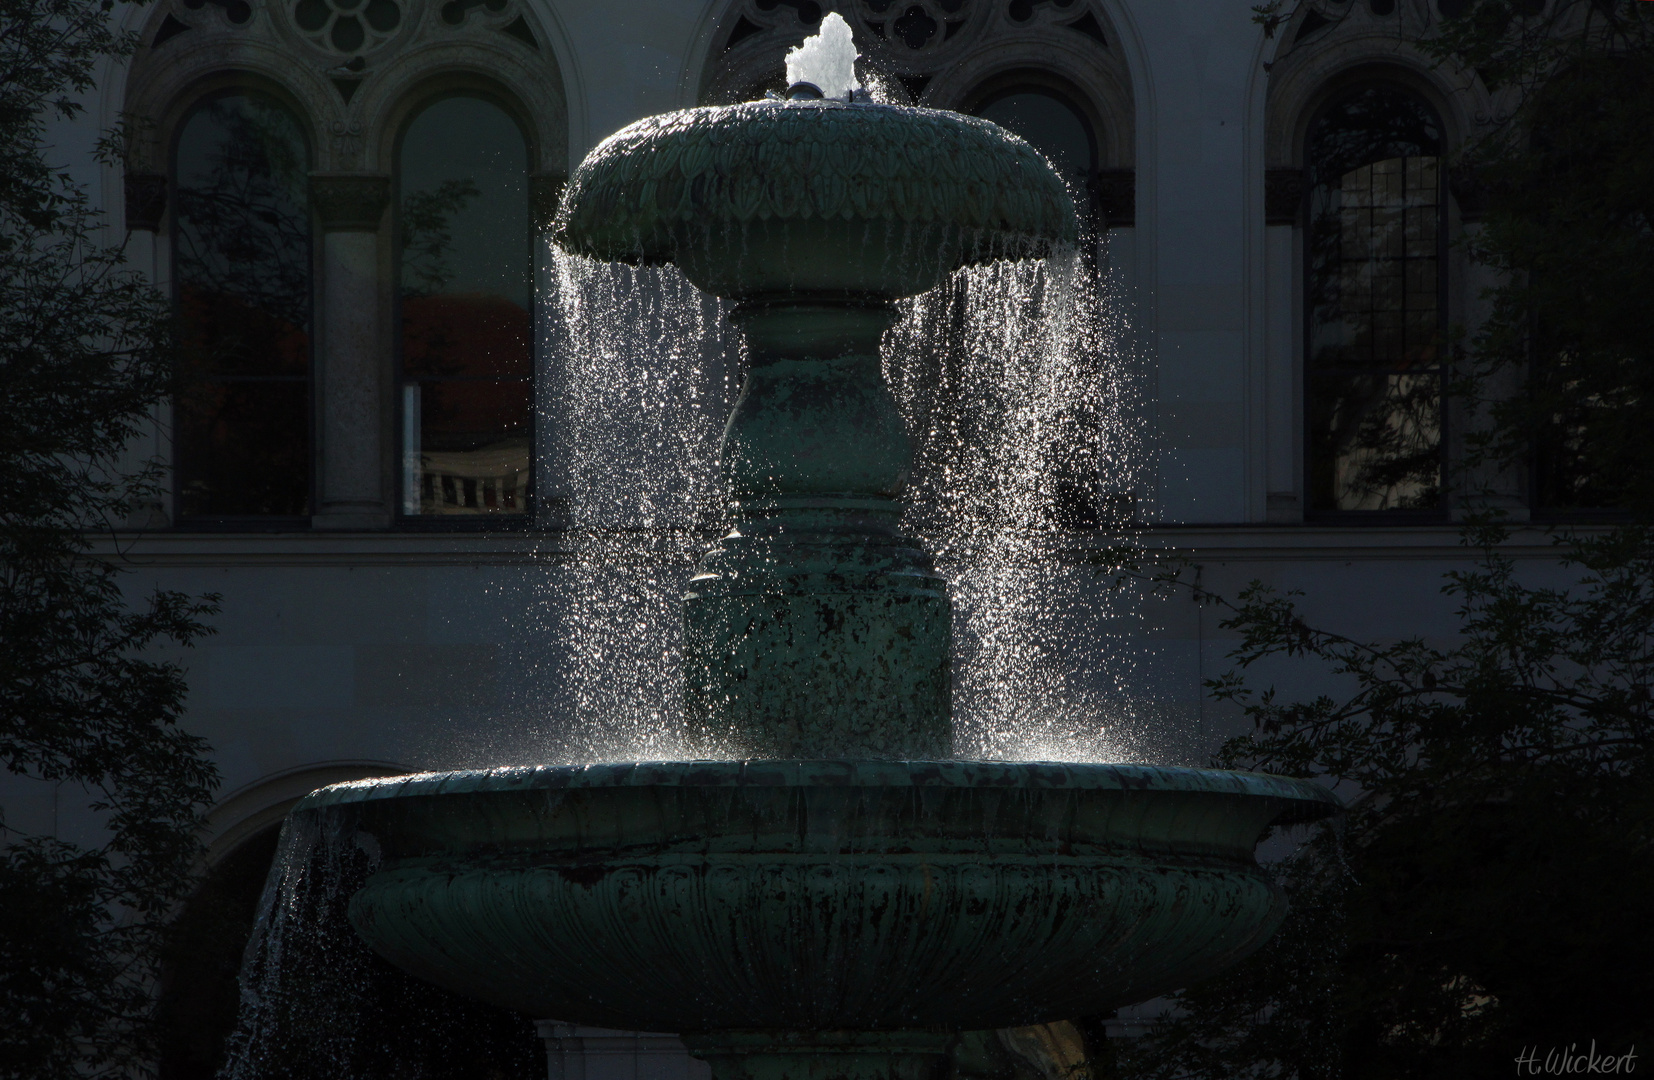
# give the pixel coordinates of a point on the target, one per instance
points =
(824, 892)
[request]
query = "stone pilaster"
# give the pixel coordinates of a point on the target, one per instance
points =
(1283, 196)
(350, 202)
(146, 201)
(1114, 192)
(350, 384)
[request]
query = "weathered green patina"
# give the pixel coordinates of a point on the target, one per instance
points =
(794, 197)
(814, 629)
(813, 919)
(819, 896)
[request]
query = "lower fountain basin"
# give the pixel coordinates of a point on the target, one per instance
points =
(818, 895)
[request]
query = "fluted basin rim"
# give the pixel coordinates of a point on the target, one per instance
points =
(1306, 800)
(820, 160)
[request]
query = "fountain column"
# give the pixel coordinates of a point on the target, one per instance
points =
(802, 919)
(814, 629)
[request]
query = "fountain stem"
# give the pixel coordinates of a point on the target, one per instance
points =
(823, 1055)
(814, 629)
(817, 919)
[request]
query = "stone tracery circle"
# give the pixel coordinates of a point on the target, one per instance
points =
(347, 26)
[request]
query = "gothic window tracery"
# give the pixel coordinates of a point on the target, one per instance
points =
(347, 26)
(961, 54)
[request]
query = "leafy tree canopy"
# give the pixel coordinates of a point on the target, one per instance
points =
(84, 702)
(1484, 895)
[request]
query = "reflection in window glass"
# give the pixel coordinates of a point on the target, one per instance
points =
(1376, 324)
(242, 271)
(467, 352)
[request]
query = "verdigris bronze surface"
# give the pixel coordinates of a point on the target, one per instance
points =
(811, 896)
(835, 914)
(815, 629)
(777, 197)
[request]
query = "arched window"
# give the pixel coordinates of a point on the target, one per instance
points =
(1375, 305)
(1054, 126)
(242, 280)
(1058, 128)
(466, 355)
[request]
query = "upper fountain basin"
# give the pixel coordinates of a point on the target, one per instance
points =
(788, 198)
(818, 895)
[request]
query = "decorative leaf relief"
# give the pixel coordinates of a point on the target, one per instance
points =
(773, 160)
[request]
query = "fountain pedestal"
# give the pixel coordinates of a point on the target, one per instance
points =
(814, 629)
(811, 919)
(824, 1055)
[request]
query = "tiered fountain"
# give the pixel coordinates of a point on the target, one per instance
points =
(837, 897)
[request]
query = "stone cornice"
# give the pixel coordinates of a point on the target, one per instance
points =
(1211, 543)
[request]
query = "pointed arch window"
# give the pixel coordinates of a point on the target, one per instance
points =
(466, 352)
(1375, 305)
(242, 279)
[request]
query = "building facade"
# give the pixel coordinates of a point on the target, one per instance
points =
(347, 201)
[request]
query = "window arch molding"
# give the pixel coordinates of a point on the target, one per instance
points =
(263, 802)
(163, 103)
(545, 155)
(1302, 84)
(411, 84)
(1101, 92)
(1106, 151)
(352, 108)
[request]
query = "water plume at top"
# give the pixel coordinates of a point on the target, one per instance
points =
(826, 61)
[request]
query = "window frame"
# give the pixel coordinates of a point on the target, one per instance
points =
(181, 521)
(1049, 84)
(1442, 512)
(523, 519)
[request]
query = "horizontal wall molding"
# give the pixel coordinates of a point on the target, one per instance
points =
(1251, 543)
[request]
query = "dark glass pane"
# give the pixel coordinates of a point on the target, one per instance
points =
(466, 277)
(1375, 441)
(243, 448)
(1052, 126)
(1369, 125)
(466, 334)
(471, 455)
(464, 203)
(1374, 299)
(1582, 453)
(243, 234)
(242, 269)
